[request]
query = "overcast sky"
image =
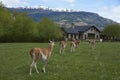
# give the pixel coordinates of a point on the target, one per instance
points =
(106, 8)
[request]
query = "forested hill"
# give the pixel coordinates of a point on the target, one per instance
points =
(80, 17)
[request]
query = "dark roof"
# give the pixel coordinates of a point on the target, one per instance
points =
(71, 30)
(82, 28)
(79, 29)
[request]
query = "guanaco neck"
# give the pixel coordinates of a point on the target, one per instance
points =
(65, 41)
(50, 48)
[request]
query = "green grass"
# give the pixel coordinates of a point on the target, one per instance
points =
(102, 63)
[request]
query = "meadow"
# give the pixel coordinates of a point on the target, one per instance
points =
(101, 63)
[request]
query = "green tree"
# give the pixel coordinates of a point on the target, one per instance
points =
(24, 29)
(1, 4)
(48, 30)
(17, 27)
(6, 22)
(112, 31)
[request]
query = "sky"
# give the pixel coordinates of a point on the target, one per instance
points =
(106, 8)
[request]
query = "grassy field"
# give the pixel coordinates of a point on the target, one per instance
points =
(102, 63)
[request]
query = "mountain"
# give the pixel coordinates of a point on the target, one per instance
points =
(66, 17)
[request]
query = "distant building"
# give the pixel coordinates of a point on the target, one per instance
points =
(82, 32)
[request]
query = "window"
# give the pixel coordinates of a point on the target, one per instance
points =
(91, 35)
(91, 29)
(85, 36)
(97, 36)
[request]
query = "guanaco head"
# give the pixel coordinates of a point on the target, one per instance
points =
(52, 43)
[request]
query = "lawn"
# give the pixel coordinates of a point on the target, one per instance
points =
(102, 63)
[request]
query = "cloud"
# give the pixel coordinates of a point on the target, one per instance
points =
(15, 3)
(70, 1)
(112, 12)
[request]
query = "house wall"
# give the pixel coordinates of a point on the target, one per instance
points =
(73, 36)
(93, 31)
(84, 35)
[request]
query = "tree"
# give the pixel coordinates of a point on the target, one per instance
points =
(1, 4)
(6, 22)
(48, 30)
(24, 29)
(112, 31)
(17, 27)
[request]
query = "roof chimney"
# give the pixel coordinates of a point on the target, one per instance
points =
(73, 25)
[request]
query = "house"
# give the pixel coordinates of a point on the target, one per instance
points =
(82, 32)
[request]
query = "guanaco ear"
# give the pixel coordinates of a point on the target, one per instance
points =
(50, 41)
(53, 40)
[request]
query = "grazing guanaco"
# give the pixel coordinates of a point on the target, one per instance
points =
(42, 54)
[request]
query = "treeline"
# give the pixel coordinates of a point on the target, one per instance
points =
(17, 27)
(111, 32)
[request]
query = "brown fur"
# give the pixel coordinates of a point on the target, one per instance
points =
(62, 46)
(62, 43)
(37, 51)
(72, 45)
(77, 42)
(92, 43)
(40, 54)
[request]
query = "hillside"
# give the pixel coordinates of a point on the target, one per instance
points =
(67, 17)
